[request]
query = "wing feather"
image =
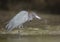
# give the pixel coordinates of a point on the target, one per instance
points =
(17, 20)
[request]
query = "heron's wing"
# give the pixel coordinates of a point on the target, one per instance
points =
(17, 20)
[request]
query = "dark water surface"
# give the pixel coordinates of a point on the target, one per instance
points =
(39, 38)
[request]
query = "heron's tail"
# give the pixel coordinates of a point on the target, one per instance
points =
(9, 27)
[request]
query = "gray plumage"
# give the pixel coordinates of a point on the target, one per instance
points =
(20, 19)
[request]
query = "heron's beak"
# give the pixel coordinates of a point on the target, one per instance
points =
(38, 17)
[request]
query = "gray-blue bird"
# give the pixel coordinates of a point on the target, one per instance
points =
(20, 19)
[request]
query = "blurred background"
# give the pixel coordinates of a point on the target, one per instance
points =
(48, 10)
(53, 6)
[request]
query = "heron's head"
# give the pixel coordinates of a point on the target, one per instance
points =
(33, 15)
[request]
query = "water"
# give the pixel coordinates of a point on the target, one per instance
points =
(39, 38)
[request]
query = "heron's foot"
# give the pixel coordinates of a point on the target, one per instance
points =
(19, 34)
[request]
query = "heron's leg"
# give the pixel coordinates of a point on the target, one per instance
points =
(19, 30)
(21, 26)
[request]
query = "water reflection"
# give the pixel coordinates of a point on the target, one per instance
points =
(31, 39)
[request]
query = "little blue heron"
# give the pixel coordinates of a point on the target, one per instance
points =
(20, 19)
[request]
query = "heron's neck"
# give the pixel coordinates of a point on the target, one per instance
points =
(30, 17)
